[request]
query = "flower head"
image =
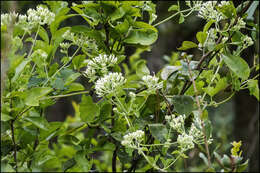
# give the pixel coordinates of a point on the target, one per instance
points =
(40, 16)
(110, 83)
(185, 142)
(207, 11)
(152, 83)
(177, 123)
(99, 65)
(130, 137)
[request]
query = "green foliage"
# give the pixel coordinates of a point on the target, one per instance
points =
(129, 120)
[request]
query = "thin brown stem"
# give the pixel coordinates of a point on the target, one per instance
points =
(200, 113)
(14, 143)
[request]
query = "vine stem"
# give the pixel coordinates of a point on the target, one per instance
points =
(61, 67)
(14, 143)
(168, 18)
(65, 95)
(200, 112)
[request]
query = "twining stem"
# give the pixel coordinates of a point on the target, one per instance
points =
(168, 18)
(61, 67)
(200, 113)
(14, 143)
(65, 95)
(152, 164)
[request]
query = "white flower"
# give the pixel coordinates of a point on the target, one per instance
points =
(223, 3)
(99, 65)
(152, 83)
(110, 83)
(185, 142)
(177, 123)
(40, 16)
(130, 137)
(207, 11)
(247, 41)
(8, 18)
(240, 24)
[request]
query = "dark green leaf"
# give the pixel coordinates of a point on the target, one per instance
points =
(141, 69)
(159, 131)
(141, 36)
(201, 37)
(83, 163)
(237, 65)
(183, 104)
(33, 95)
(242, 167)
(173, 8)
(253, 88)
(39, 122)
(187, 45)
(88, 109)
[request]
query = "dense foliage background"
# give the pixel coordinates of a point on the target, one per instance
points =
(237, 119)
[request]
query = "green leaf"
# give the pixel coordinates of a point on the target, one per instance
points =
(187, 45)
(118, 13)
(105, 111)
(251, 10)
(71, 78)
(39, 122)
(253, 88)
(181, 19)
(159, 131)
(183, 104)
(88, 110)
(237, 65)
(139, 24)
(43, 34)
(228, 10)
(201, 37)
(242, 167)
(20, 68)
(168, 70)
(208, 128)
(83, 163)
(68, 164)
(75, 87)
(122, 27)
(5, 117)
(141, 36)
(220, 85)
(33, 95)
(207, 26)
(141, 69)
(173, 8)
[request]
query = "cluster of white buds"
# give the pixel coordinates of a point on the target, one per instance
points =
(131, 138)
(152, 83)
(40, 16)
(110, 83)
(64, 47)
(223, 3)
(194, 4)
(177, 123)
(8, 18)
(240, 24)
(207, 11)
(99, 65)
(247, 41)
(185, 142)
(77, 39)
(40, 53)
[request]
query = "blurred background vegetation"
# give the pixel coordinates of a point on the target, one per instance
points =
(237, 119)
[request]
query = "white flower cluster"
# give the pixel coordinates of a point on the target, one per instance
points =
(64, 47)
(152, 83)
(247, 41)
(194, 4)
(130, 137)
(177, 123)
(99, 65)
(207, 11)
(240, 24)
(78, 39)
(185, 142)
(8, 18)
(110, 83)
(40, 16)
